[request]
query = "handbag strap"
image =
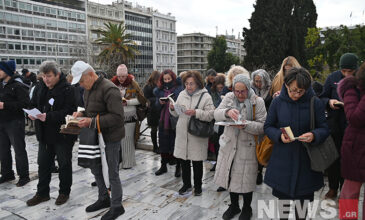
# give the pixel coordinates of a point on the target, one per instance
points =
(98, 123)
(312, 117)
(201, 96)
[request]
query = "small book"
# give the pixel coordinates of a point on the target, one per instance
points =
(289, 133)
(71, 126)
(339, 104)
(167, 98)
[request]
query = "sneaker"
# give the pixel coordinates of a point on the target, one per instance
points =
(184, 190)
(246, 214)
(197, 191)
(61, 199)
(331, 194)
(37, 199)
(221, 189)
(113, 213)
(231, 212)
(23, 181)
(259, 179)
(4, 179)
(99, 204)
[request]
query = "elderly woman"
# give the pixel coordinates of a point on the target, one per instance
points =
(237, 164)
(261, 84)
(132, 96)
(187, 146)
(289, 171)
(234, 71)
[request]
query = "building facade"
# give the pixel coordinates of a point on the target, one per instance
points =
(97, 16)
(32, 31)
(164, 42)
(192, 52)
(235, 46)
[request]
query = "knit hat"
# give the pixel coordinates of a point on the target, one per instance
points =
(122, 69)
(349, 61)
(8, 67)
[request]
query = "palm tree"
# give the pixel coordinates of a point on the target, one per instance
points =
(118, 47)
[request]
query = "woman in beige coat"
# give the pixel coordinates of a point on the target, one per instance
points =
(237, 164)
(189, 147)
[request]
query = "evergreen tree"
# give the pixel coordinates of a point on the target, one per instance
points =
(277, 30)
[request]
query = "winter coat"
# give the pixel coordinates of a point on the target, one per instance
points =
(288, 170)
(166, 137)
(63, 94)
(187, 146)
(237, 164)
(336, 118)
(353, 145)
(15, 97)
(104, 99)
(153, 115)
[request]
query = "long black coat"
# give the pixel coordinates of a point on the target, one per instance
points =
(153, 115)
(63, 93)
(15, 97)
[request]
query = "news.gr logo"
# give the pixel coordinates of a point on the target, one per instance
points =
(326, 209)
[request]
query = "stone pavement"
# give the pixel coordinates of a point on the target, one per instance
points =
(146, 196)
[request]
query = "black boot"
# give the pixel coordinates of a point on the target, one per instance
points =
(259, 179)
(99, 204)
(113, 213)
(178, 169)
(163, 168)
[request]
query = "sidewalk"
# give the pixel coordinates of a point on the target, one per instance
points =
(146, 196)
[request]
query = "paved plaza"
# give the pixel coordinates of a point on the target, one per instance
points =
(145, 196)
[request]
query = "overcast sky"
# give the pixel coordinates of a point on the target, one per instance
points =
(205, 15)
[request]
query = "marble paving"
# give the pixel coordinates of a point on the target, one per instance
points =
(146, 196)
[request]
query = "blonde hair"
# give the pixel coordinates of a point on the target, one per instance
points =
(278, 80)
(234, 71)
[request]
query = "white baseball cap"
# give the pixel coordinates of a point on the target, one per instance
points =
(78, 69)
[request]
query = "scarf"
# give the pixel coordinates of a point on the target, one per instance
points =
(165, 113)
(128, 81)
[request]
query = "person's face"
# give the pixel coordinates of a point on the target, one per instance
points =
(50, 79)
(220, 87)
(86, 81)
(27, 74)
(287, 67)
(211, 79)
(294, 92)
(257, 81)
(240, 91)
(347, 72)
(190, 85)
(3, 75)
(122, 77)
(167, 78)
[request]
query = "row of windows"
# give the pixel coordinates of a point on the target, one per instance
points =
(29, 34)
(105, 12)
(165, 36)
(35, 22)
(165, 48)
(49, 48)
(165, 25)
(138, 18)
(165, 59)
(138, 24)
(13, 5)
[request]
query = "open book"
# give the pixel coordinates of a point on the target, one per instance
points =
(180, 109)
(289, 133)
(71, 126)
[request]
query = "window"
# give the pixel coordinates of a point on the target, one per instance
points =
(156, 23)
(31, 47)
(110, 13)
(31, 61)
(25, 47)
(11, 46)
(102, 11)
(93, 10)
(18, 61)
(25, 61)
(117, 14)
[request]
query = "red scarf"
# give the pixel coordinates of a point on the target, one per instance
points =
(126, 83)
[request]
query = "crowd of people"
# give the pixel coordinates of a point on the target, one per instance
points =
(255, 103)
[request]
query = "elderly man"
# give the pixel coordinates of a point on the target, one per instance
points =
(13, 97)
(103, 97)
(54, 97)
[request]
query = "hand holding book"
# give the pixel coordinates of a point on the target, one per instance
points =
(288, 136)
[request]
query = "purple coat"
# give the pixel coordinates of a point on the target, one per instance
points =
(353, 144)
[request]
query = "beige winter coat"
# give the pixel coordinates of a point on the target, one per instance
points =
(187, 146)
(237, 164)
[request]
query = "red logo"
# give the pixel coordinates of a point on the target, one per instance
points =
(349, 208)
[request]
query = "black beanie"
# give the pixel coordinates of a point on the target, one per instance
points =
(348, 61)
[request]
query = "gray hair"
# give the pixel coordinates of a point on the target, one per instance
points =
(49, 66)
(265, 77)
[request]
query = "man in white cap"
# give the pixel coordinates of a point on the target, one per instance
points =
(103, 97)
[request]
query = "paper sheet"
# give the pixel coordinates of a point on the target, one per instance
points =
(32, 112)
(230, 123)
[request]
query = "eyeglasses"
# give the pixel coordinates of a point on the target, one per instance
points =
(240, 92)
(299, 92)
